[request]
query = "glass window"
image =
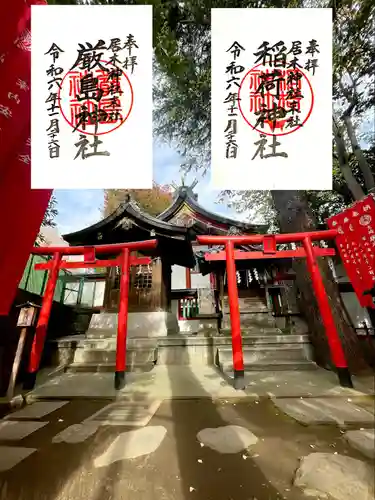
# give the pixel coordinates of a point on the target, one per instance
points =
(87, 297)
(71, 293)
(99, 293)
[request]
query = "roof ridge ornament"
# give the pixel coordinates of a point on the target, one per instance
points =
(183, 186)
(194, 184)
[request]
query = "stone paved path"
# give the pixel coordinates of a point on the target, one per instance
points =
(340, 411)
(144, 449)
(168, 381)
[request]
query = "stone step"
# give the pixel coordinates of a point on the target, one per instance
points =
(259, 319)
(184, 340)
(274, 338)
(276, 366)
(137, 355)
(255, 309)
(202, 329)
(186, 355)
(102, 343)
(248, 304)
(280, 355)
(255, 353)
(101, 333)
(67, 350)
(254, 330)
(105, 367)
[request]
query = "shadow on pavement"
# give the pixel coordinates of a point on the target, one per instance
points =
(206, 474)
(54, 470)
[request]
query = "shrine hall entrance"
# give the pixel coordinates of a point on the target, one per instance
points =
(252, 292)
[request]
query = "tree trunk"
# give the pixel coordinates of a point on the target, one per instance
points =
(294, 215)
(351, 181)
(362, 162)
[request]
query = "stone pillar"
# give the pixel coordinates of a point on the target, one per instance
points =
(166, 286)
(171, 319)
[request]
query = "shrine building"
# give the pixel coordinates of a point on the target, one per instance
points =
(178, 304)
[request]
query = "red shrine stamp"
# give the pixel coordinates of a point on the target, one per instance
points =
(96, 101)
(275, 101)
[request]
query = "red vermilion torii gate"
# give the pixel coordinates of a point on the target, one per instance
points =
(123, 260)
(269, 242)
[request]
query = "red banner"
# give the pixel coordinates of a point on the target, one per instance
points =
(21, 209)
(356, 245)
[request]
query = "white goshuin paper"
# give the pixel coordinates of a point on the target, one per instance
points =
(309, 149)
(130, 146)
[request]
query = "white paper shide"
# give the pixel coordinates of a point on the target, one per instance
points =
(91, 97)
(271, 99)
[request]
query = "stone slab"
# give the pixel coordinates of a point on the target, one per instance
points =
(37, 410)
(76, 433)
(12, 455)
(227, 439)
(129, 413)
(340, 477)
(14, 431)
(132, 444)
(316, 411)
(363, 441)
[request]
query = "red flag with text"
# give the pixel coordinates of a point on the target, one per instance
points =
(356, 244)
(21, 209)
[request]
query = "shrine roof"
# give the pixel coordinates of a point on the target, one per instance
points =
(126, 212)
(185, 201)
(129, 223)
(174, 228)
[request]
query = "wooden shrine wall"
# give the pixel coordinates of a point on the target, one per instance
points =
(146, 290)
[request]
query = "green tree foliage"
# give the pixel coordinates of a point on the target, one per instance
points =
(51, 213)
(49, 218)
(153, 201)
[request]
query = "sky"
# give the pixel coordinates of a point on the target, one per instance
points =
(78, 209)
(81, 208)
